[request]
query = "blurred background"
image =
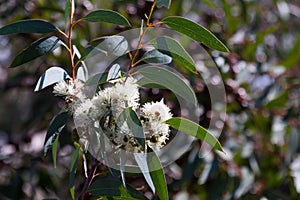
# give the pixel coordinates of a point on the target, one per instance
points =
(261, 77)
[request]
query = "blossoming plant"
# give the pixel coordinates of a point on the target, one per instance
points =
(114, 128)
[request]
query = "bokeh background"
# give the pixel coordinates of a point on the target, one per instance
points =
(261, 77)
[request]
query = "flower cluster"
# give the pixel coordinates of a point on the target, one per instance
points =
(100, 114)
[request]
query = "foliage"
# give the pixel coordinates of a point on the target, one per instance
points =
(260, 136)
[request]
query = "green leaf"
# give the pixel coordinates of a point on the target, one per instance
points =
(158, 176)
(73, 169)
(134, 124)
(56, 126)
(28, 26)
(51, 76)
(292, 58)
(155, 57)
(107, 16)
(82, 71)
(163, 3)
(195, 31)
(114, 72)
(69, 9)
(97, 79)
(116, 45)
(36, 49)
(105, 185)
(54, 151)
(168, 79)
(194, 129)
(141, 159)
(174, 49)
(279, 101)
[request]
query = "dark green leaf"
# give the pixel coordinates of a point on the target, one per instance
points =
(134, 124)
(51, 76)
(145, 82)
(106, 16)
(134, 193)
(158, 176)
(73, 169)
(56, 126)
(67, 10)
(195, 31)
(54, 151)
(174, 49)
(36, 49)
(155, 57)
(194, 129)
(97, 79)
(163, 3)
(105, 185)
(28, 26)
(82, 71)
(115, 45)
(170, 80)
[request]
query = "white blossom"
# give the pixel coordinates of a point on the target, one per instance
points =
(156, 131)
(83, 114)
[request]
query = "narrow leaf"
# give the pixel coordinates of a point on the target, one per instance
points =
(163, 3)
(54, 151)
(82, 71)
(51, 76)
(194, 129)
(56, 126)
(114, 72)
(155, 57)
(73, 169)
(157, 175)
(105, 185)
(107, 16)
(36, 49)
(171, 47)
(168, 79)
(28, 26)
(195, 31)
(141, 159)
(116, 45)
(134, 124)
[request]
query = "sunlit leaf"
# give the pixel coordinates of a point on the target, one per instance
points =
(141, 159)
(73, 169)
(56, 126)
(168, 79)
(157, 175)
(195, 31)
(36, 49)
(191, 128)
(106, 16)
(51, 76)
(105, 185)
(82, 71)
(28, 26)
(174, 49)
(114, 72)
(115, 45)
(134, 124)
(155, 57)
(163, 3)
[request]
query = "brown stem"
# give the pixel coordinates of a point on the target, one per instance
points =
(142, 34)
(89, 180)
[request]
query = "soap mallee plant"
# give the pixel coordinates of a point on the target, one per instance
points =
(112, 116)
